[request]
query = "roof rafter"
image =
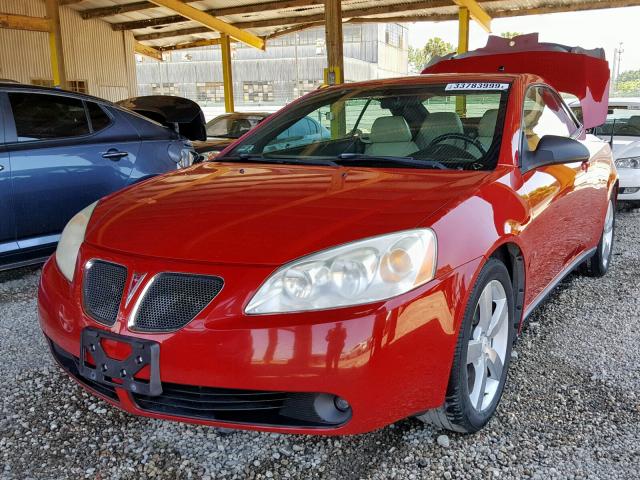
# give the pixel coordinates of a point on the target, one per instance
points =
(405, 7)
(24, 22)
(148, 51)
(211, 23)
(119, 9)
(218, 12)
(478, 13)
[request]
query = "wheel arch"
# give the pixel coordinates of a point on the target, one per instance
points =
(512, 256)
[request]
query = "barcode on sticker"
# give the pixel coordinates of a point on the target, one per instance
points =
(476, 86)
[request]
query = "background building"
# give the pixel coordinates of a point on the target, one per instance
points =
(98, 60)
(291, 66)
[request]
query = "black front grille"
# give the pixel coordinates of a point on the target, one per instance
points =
(173, 300)
(254, 407)
(70, 364)
(102, 289)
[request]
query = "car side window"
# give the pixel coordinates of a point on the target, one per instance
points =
(99, 119)
(544, 114)
(45, 117)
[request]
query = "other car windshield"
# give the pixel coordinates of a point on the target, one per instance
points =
(232, 126)
(445, 126)
(623, 121)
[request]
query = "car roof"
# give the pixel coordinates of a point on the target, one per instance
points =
(424, 79)
(10, 85)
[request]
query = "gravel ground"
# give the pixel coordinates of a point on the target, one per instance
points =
(571, 408)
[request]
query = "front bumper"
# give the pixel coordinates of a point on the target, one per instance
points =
(394, 362)
(629, 179)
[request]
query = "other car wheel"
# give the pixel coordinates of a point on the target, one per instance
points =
(482, 356)
(598, 264)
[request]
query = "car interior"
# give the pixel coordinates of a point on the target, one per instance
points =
(404, 126)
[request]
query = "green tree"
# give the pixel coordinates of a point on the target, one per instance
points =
(629, 76)
(510, 34)
(435, 47)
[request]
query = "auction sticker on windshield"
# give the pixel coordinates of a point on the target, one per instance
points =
(476, 86)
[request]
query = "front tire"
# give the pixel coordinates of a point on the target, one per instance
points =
(598, 264)
(482, 356)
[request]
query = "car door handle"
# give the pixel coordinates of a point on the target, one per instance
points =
(1, 167)
(114, 154)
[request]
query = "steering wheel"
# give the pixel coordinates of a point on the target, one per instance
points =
(459, 136)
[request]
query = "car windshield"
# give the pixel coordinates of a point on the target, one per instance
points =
(443, 126)
(623, 121)
(232, 126)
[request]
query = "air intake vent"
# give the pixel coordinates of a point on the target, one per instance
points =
(173, 300)
(102, 288)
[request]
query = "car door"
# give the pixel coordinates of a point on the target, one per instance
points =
(7, 223)
(65, 153)
(556, 195)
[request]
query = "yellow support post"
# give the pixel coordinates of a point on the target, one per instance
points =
(478, 13)
(334, 73)
(55, 45)
(227, 75)
(211, 22)
(463, 47)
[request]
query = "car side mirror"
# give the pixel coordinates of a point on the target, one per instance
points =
(554, 150)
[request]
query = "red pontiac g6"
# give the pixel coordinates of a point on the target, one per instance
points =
(366, 254)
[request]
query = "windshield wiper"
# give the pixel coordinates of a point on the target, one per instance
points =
(404, 161)
(258, 158)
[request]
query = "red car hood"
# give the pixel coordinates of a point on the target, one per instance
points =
(269, 214)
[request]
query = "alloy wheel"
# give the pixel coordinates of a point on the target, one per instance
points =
(487, 348)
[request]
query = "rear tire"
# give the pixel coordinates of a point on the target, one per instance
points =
(482, 356)
(598, 264)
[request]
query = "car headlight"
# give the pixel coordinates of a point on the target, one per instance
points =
(361, 272)
(71, 239)
(628, 162)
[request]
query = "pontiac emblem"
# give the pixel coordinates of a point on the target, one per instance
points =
(136, 281)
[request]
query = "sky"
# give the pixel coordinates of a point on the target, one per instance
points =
(590, 29)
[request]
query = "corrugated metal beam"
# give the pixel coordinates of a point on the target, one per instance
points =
(211, 22)
(148, 51)
(478, 13)
(23, 22)
(55, 44)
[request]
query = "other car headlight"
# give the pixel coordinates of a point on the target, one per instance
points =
(182, 153)
(360, 272)
(71, 239)
(628, 162)
(210, 155)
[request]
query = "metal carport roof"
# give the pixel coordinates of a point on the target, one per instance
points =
(162, 28)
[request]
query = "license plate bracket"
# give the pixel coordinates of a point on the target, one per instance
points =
(143, 353)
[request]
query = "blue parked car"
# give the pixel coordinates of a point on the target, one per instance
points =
(61, 151)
